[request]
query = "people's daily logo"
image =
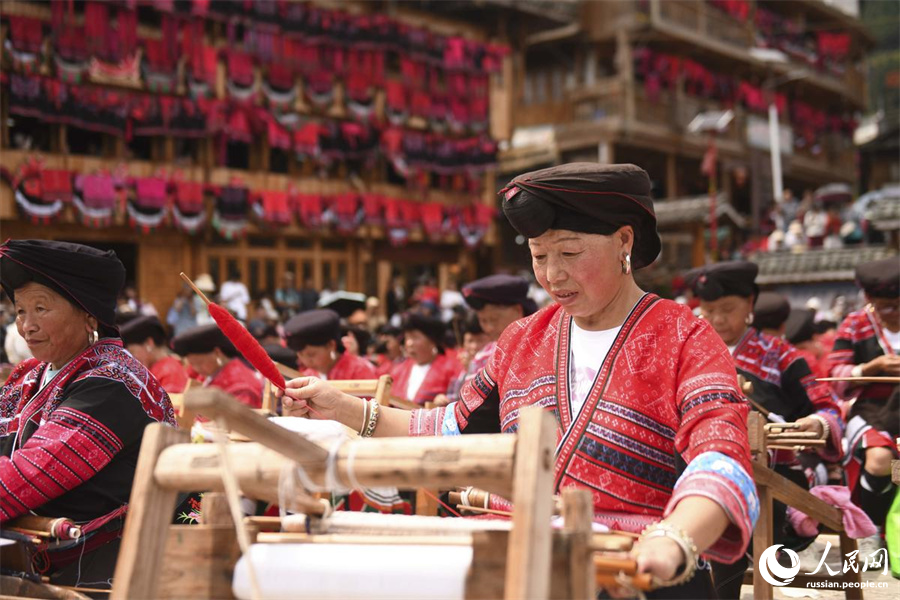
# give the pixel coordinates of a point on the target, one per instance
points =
(772, 571)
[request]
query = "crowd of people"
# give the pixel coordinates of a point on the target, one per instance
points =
(651, 416)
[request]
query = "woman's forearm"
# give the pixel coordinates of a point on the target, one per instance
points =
(392, 422)
(701, 518)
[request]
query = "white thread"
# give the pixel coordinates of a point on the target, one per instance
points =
(351, 476)
(464, 497)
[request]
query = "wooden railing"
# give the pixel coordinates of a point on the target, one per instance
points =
(700, 19)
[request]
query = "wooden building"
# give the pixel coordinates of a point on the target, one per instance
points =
(624, 80)
(45, 44)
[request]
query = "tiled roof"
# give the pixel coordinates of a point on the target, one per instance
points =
(815, 265)
(680, 211)
(884, 212)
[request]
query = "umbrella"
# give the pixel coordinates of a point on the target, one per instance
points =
(834, 193)
(343, 303)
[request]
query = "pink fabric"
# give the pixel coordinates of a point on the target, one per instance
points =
(856, 522)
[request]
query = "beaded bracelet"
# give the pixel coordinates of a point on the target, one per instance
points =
(373, 419)
(365, 419)
(684, 542)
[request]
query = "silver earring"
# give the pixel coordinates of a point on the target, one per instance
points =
(626, 265)
(749, 319)
(434, 350)
(333, 355)
(147, 348)
(93, 337)
(219, 361)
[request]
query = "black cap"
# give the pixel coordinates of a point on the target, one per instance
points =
(880, 278)
(770, 311)
(137, 330)
(280, 354)
(432, 328)
(505, 290)
(88, 278)
(312, 328)
(587, 198)
(732, 278)
(800, 326)
(201, 340)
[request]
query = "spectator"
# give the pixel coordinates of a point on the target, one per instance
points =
(396, 296)
(183, 313)
(815, 222)
(309, 297)
(287, 298)
(205, 284)
(234, 295)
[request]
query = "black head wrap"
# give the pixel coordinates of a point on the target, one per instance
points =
(202, 340)
(770, 311)
(312, 328)
(136, 331)
(733, 278)
(800, 326)
(587, 198)
(880, 278)
(88, 278)
(505, 290)
(430, 327)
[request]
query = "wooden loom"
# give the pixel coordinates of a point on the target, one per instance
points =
(772, 486)
(160, 561)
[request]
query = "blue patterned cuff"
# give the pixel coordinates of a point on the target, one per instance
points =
(727, 468)
(449, 426)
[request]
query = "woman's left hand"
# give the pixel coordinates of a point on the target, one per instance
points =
(811, 424)
(660, 556)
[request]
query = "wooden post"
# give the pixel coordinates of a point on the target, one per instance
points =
(141, 554)
(671, 175)
(426, 505)
(625, 65)
(528, 555)
(578, 511)
(763, 537)
(214, 509)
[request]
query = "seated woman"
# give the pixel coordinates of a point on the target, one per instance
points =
(868, 345)
(649, 414)
(145, 338)
(427, 370)
(214, 358)
(315, 335)
(784, 388)
(72, 418)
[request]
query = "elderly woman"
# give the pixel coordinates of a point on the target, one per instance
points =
(650, 417)
(315, 335)
(145, 338)
(784, 389)
(868, 345)
(427, 370)
(72, 417)
(216, 360)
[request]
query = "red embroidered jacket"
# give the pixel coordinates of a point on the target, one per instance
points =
(443, 371)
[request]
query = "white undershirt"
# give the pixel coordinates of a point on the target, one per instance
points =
(588, 351)
(893, 338)
(416, 377)
(731, 349)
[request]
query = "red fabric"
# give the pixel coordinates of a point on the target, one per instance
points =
(276, 208)
(372, 206)
(240, 67)
(26, 34)
(56, 184)
(306, 139)
(170, 374)
(189, 196)
(310, 209)
(151, 191)
(395, 95)
(443, 371)
(433, 218)
(240, 381)
(348, 366)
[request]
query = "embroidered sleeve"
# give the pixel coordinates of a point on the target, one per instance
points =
(714, 422)
(67, 450)
(724, 481)
(841, 358)
(478, 411)
(799, 382)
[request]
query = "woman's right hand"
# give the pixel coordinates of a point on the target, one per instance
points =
(313, 398)
(882, 365)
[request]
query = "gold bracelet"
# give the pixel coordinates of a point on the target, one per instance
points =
(365, 419)
(373, 419)
(684, 541)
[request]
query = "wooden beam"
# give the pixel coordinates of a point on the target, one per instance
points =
(141, 554)
(530, 544)
(578, 511)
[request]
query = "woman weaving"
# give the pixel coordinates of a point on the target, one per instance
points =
(650, 416)
(72, 418)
